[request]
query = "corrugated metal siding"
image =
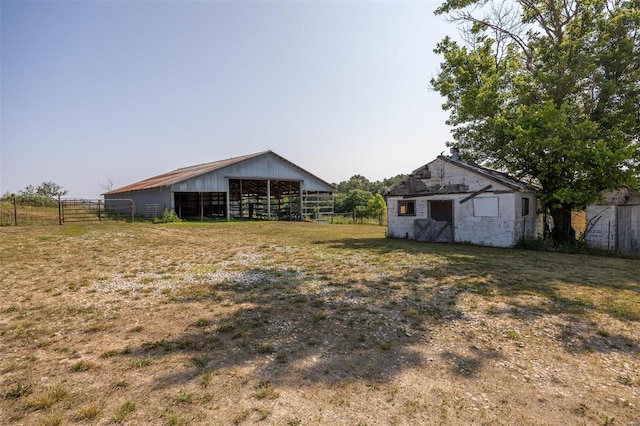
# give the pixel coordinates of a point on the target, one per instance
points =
(159, 196)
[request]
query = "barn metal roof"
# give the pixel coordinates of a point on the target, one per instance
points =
(182, 174)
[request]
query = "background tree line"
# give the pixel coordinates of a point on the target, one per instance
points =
(45, 194)
(363, 198)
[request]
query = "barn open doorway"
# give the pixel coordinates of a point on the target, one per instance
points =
(265, 199)
(200, 205)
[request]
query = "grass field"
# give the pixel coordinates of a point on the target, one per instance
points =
(308, 324)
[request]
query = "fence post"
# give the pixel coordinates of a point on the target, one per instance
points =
(99, 216)
(132, 210)
(59, 211)
(15, 210)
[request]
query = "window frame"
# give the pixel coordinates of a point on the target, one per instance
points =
(409, 211)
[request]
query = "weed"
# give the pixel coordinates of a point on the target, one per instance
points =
(18, 391)
(9, 367)
(202, 323)
(282, 357)
(140, 363)
(183, 398)
(81, 366)
(110, 353)
(625, 380)
(385, 346)
(265, 348)
(241, 417)
(264, 390)
(175, 420)
(226, 328)
(123, 411)
(200, 361)
(512, 335)
(206, 379)
(88, 411)
(168, 216)
(263, 414)
(47, 398)
(9, 309)
(51, 419)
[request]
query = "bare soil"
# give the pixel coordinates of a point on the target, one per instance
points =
(309, 324)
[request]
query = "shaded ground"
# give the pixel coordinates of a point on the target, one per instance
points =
(297, 323)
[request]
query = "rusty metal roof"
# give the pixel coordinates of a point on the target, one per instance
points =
(179, 175)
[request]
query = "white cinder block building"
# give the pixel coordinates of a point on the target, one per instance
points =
(451, 200)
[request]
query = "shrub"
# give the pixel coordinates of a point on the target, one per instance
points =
(167, 216)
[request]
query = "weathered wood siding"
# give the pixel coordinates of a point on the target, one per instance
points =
(613, 227)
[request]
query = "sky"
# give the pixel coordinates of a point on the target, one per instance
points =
(112, 92)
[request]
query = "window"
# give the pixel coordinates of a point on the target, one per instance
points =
(485, 207)
(525, 206)
(407, 208)
(441, 211)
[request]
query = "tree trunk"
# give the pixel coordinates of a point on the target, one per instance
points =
(562, 230)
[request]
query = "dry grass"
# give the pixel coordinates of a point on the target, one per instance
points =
(296, 323)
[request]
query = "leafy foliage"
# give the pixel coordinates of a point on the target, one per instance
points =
(547, 90)
(376, 207)
(167, 216)
(45, 194)
(363, 197)
(362, 183)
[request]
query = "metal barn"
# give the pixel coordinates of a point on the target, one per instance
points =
(263, 185)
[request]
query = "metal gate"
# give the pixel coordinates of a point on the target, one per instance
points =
(80, 210)
(84, 210)
(628, 228)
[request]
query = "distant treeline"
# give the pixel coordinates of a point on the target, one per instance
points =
(363, 197)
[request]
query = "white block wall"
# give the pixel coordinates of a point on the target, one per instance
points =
(501, 231)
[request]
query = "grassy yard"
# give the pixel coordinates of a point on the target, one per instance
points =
(307, 324)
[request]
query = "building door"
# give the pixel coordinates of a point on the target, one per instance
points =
(628, 228)
(438, 228)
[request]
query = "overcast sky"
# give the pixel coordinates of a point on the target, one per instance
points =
(125, 90)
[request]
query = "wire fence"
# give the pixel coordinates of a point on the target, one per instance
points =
(24, 212)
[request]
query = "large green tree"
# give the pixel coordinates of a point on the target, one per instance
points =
(548, 90)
